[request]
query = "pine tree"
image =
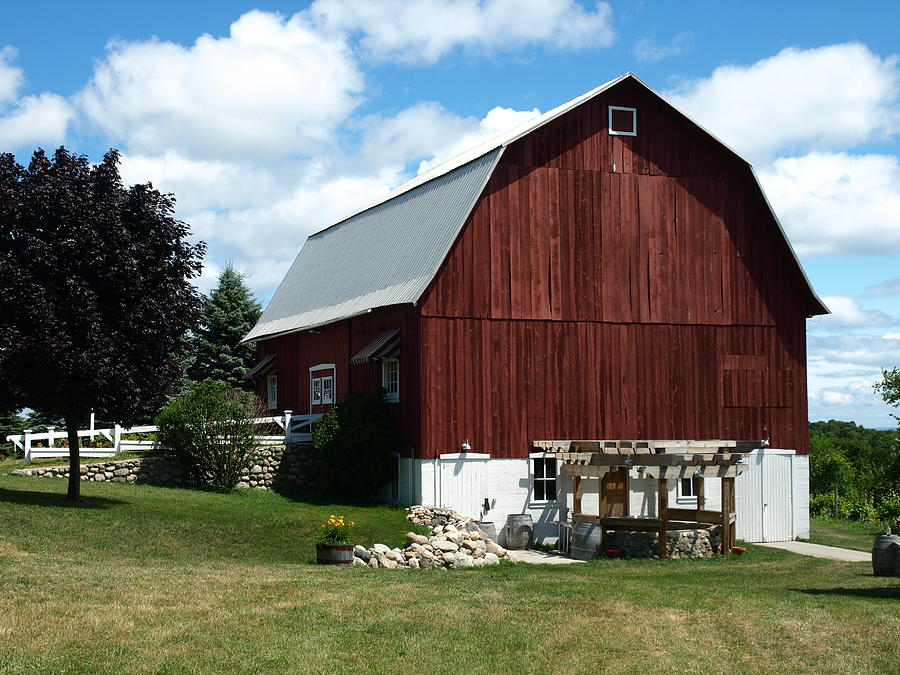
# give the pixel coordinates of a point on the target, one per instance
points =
(10, 423)
(228, 314)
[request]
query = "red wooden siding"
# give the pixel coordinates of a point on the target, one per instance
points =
(506, 383)
(338, 343)
(615, 287)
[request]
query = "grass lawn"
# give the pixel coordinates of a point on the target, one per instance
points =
(161, 580)
(844, 533)
(8, 464)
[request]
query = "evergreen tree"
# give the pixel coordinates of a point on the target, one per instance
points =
(10, 423)
(228, 314)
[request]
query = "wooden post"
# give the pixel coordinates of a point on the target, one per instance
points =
(727, 510)
(701, 493)
(27, 434)
(287, 426)
(92, 434)
(117, 439)
(577, 490)
(663, 515)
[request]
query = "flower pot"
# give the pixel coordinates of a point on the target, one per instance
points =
(334, 554)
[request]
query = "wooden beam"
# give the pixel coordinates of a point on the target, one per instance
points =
(585, 470)
(663, 515)
(700, 487)
(696, 516)
(577, 489)
(728, 508)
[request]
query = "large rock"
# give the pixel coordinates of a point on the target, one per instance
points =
(444, 546)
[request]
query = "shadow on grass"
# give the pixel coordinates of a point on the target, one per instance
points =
(889, 592)
(56, 499)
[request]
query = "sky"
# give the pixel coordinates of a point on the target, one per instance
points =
(269, 122)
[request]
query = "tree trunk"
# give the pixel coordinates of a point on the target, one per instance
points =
(74, 491)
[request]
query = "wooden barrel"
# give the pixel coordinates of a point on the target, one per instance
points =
(886, 556)
(586, 540)
(488, 529)
(334, 554)
(519, 531)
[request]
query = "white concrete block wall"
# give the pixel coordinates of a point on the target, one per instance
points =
(644, 500)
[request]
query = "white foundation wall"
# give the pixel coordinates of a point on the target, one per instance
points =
(774, 509)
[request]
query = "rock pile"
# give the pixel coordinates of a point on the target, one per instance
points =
(455, 542)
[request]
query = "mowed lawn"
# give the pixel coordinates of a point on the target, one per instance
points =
(844, 533)
(156, 580)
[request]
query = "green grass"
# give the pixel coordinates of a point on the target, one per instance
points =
(156, 580)
(8, 464)
(844, 533)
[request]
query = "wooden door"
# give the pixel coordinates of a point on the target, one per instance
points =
(614, 494)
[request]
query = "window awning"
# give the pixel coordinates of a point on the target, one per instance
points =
(385, 346)
(264, 367)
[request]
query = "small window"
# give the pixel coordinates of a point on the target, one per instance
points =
(622, 121)
(544, 469)
(390, 379)
(688, 487)
(272, 389)
(317, 391)
(328, 389)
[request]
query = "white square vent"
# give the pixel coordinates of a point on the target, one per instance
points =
(622, 121)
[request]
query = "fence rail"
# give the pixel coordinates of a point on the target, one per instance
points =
(296, 428)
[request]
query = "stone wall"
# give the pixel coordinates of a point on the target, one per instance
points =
(686, 543)
(294, 467)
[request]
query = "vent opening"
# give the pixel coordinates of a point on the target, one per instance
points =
(622, 121)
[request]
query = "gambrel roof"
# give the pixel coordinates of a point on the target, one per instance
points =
(388, 252)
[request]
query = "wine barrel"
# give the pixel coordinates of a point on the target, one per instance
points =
(334, 554)
(586, 540)
(886, 556)
(519, 531)
(488, 529)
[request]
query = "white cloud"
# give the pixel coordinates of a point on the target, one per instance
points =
(854, 350)
(497, 121)
(836, 203)
(887, 288)
(839, 392)
(11, 77)
(847, 313)
(647, 50)
(426, 30)
(40, 119)
(832, 97)
(35, 120)
(274, 87)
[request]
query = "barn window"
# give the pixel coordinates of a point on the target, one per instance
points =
(544, 477)
(390, 379)
(622, 121)
(687, 488)
(316, 391)
(328, 389)
(272, 391)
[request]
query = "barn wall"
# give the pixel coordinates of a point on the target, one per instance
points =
(338, 343)
(615, 287)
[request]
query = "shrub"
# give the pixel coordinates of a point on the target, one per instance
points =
(888, 509)
(356, 439)
(210, 431)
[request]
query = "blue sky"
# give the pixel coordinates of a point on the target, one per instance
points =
(270, 121)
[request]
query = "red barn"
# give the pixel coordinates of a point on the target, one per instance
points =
(607, 270)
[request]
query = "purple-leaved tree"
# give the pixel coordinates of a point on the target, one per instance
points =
(95, 292)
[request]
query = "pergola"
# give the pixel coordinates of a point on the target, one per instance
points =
(610, 461)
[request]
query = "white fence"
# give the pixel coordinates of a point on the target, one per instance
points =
(295, 428)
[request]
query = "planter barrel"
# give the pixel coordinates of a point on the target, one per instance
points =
(334, 554)
(886, 556)
(519, 531)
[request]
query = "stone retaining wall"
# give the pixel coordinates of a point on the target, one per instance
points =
(686, 543)
(293, 467)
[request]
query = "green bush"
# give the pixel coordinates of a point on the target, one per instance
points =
(888, 509)
(209, 431)
(356, 440)
(850, 507)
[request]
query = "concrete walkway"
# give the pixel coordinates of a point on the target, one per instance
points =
(820, 551)
(541, 558)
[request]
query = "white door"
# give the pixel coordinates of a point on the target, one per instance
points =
(463, 482)
(777, 502)
(763, 497)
